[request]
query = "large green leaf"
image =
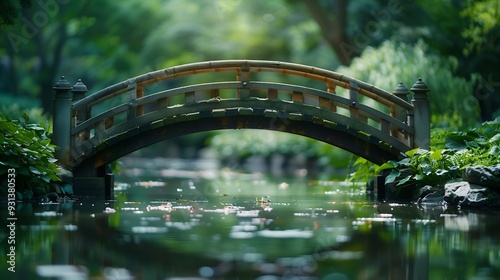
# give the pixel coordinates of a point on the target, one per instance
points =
(437, 155)
(392, 176)
(494, 151)
(388, 165)
(458, 141)
(404, 180)
(410, 153)
(35, 170)
(495, 138)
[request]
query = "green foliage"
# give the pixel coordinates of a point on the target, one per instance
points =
(451, 151)
(26, 148)
(246, 143)
(464, 148)
(451, 100)
(484, 23)
(365, 170)
(13, 107)
(10, 11)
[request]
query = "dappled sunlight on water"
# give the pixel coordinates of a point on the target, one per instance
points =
(251, 228)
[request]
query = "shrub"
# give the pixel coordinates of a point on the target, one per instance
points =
(14, 106)
(451, 97)
(26, 148)
(436, 167)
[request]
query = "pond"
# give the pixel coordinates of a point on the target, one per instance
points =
(222, 224)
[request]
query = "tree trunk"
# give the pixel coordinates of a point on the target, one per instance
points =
(49, 68)
(334, 28)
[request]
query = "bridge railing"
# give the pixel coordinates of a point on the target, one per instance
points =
(384, 114)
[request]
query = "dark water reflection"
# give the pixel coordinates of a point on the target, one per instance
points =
(250, 228)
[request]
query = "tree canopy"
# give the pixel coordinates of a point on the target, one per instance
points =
(104, 42)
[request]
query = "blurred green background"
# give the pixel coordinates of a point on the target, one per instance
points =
(453, 45)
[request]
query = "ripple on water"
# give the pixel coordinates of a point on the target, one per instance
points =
(289, 233)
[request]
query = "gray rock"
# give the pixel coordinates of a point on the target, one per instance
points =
(483, 175)
(465, 194)
(434, 198)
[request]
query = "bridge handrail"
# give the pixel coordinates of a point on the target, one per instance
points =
(340, 101)
(311, 72)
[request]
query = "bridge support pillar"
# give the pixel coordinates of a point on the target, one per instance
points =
(422, 115)
(61, 123)
(379, 187)
(99, 186)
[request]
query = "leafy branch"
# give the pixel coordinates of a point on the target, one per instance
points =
(27, 149)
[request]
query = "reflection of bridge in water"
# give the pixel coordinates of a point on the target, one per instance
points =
(95, 130)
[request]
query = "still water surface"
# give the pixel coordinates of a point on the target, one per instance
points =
(226, 225)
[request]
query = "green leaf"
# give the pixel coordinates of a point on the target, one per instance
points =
(53, 177)
(45, 142)
(25, 117)
(494, 151)
(441, 172)
(45, 178)
(360, 160)
(392, 176)
(388, 165)
(419, 177)
(458, 140)
(495, 138)
(437, 155)
(406, 179)
(410, 153)
(472, 144)
(404, 161)
(34, 170)
(35, 127)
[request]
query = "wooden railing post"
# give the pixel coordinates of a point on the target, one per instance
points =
(399, 113)
(79, 115)
(79, 90)
(422, 115)
(61, 120)
(243, 75)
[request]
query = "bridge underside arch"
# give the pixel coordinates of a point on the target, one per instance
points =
(336, 134)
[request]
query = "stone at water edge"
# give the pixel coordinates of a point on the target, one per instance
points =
(431, 197)
(465, 194)
(483, 175)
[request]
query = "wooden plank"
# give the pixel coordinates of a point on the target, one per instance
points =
(272, 93)
(109, 122)
(162, 103)
(354, 112)
(243, 75)
(99, 129)
(297, 96)
(139, 94)
(353, 92)
(330, 87)
(325, 102)
(384, 126)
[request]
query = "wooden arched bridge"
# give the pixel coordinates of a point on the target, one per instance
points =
(95, 130)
